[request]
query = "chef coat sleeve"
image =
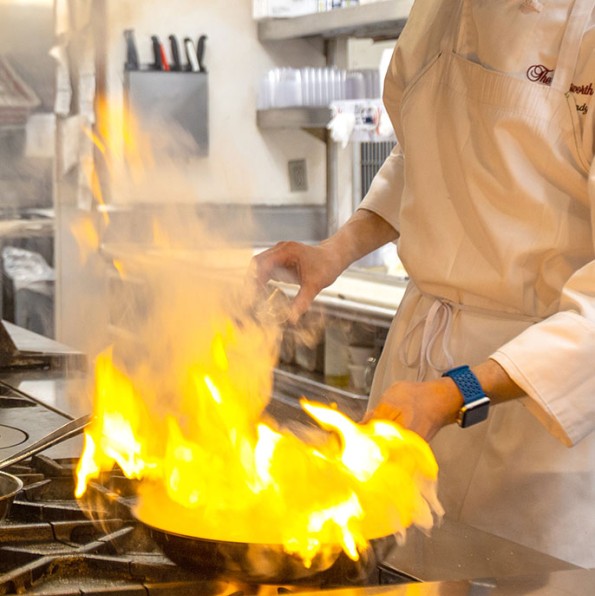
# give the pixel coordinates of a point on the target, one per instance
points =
(384, 195)
(554, 361)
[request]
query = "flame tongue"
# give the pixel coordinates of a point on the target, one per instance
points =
(213, 473)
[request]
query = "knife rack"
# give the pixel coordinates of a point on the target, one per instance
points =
(176, 103)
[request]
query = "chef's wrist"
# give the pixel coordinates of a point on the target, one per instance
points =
(450, 399)
(496, 382)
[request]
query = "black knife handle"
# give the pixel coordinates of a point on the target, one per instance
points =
(175, 53)
(200, 53)
(132, 62)
(157, 64)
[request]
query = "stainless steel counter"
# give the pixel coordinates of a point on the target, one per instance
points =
(455, 551)
(34, 222)
(560, 583)
(55, 354)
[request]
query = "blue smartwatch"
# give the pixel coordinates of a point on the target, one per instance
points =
(476, 403)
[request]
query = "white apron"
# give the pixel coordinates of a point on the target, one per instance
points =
(491, 162)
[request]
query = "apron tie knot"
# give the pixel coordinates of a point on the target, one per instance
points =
(437, 323)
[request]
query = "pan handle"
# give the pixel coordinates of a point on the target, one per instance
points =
(70, 429)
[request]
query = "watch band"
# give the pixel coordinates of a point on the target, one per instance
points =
(475, 401)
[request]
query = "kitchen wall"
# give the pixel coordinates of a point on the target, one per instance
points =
(245, 164)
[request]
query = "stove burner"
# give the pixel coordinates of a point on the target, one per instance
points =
(11, 437)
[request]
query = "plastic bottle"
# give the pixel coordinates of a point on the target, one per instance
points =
(336, 355)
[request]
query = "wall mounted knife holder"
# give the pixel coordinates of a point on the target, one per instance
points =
(172, 102)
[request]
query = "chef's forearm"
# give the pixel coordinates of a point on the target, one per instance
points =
(363, 233)
(499, 387)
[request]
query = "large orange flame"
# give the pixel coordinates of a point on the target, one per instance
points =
(213, 467)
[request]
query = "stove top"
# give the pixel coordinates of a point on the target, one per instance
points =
(24, 420)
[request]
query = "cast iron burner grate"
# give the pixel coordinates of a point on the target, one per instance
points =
(49, 546)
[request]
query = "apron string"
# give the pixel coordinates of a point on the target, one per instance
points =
(437, 323)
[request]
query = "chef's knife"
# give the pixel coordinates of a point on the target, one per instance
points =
(200, 52)
(176, 63)
(191, 55)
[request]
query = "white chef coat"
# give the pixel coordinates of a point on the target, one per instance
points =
(490, 191)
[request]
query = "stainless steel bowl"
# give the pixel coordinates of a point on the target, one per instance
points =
(9, 487)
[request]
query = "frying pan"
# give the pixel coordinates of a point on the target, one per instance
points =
(261, 563)
(267, 563)
(10, 485)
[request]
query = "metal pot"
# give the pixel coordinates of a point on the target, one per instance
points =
(266, 563)
(9, 487)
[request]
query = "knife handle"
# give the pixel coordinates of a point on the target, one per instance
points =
(157, 61)
(164, 62)
(200, 52)
(191, 55)
(175, 53)
(132, 62)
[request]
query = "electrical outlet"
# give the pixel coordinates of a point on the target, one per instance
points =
(298, 176)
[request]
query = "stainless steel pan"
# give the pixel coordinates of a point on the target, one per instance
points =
(9, 487)
(266, 563)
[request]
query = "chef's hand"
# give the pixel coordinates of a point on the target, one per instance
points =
(316, 267)
(313, 268)
(421, 407)
(428, 406)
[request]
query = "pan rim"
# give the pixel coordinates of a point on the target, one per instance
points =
(17, 482)
(272, 545)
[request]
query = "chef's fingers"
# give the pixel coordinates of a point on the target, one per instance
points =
(302, 302)
(383, 412)
(281, 263)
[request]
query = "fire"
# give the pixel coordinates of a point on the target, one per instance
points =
(212, 465)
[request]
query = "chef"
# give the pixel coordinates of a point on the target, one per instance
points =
(490, 197)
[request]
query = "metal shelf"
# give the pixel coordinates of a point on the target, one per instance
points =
(294, 117)
(379, 20)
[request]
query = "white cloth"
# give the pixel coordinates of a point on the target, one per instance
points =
(489, 189)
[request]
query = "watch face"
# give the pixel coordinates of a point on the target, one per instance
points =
(474, 412)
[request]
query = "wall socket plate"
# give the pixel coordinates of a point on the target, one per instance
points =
(298, 175)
